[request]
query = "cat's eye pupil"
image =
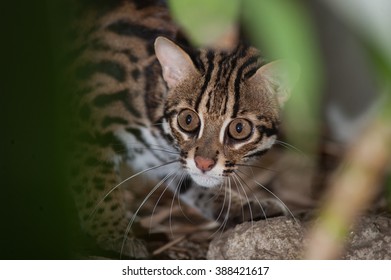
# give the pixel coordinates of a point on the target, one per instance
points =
(239, 127)
(188, 119)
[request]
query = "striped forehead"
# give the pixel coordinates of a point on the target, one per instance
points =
(223, 75)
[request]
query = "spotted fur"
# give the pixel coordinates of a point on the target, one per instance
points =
(168, 110)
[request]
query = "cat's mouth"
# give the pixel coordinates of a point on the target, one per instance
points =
(205, 180)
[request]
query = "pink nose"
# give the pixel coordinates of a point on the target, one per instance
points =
(204, 164)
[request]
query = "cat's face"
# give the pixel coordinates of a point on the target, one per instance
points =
(221, 111)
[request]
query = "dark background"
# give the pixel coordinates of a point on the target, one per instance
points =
(37, 217)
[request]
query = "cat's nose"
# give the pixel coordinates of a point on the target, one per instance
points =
(204, 164)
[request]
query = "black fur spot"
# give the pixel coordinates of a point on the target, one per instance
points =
(107, 99)
(135, 74)
(110, 68)
(99, 183)
(114, 207)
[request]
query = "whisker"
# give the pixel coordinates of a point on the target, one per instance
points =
(229, 202)
(236, 180)
(141, 146)
(275, 196)
(221, 226)
(158, 148)
(177, 195)
(256, 198)
(240, 197)
(256, 166)
(134, 216)
(181, 179)
(127, 179)
(222, 207)
(289, 146)
(240, 180)
(160, 197)
(225, 221)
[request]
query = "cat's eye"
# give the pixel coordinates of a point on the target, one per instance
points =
(188, 120)
(240, 129)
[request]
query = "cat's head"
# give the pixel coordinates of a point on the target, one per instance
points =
(222, 108)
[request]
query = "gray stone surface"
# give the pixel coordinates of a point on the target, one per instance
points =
(283, 238)
(277, 238)
(371, 240)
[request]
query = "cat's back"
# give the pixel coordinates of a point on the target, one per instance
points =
(121, 26)
(114, 63)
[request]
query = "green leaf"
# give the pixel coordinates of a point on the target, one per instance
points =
(283, 29)
(204, 20)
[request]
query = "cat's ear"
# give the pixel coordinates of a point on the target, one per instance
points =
(279, 76)
(176, 63)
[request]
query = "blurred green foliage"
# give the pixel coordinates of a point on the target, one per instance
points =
(283, 30)
(205, 20)
(371, 22)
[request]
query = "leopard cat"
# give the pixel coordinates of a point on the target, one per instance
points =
(188, 118)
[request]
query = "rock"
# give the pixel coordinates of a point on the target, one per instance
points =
(371, 240)
(276, 238)
(283, 238)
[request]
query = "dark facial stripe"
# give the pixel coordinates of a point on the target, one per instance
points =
(238, 53)
(218, 80)
(210, 56)
(209, 101)
(256, 154)
(110, 68)
(270, 126)
(123, 96)
(268, 131)
(238, 79)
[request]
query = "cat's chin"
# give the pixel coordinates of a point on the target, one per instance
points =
(206, 181)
